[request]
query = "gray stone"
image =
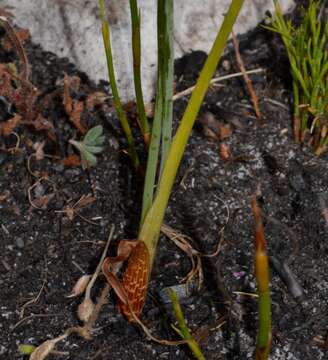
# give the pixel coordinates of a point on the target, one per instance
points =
(71, 28)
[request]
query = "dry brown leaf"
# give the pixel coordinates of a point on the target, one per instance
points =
(85, 200)
(225, 131)
(42, 201)
(38, 147)
(43, 350)
(22, 34)
(5, 195)
(71, 160)
(95, 99)
(73, 108)
(211, 126)
(80, 286)
(225, 152)
(75, 116)
(9, 126)
(40, 123)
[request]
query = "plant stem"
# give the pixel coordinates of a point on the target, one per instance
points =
(162, 124)
(136, 50)
(150, 229)
(183, 330)
(116, 97)
(264, 337)
(166, 63)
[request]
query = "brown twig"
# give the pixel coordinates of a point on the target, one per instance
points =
(247, 79)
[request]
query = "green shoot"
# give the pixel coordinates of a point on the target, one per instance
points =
(264, 337)
(166, 72)
(26, 349)
(183, 330)
(162, 125)
(136, 50)
(116, 97)
(150, 228)
(306, 47)
(90, 146)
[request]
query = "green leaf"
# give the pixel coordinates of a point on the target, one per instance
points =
(90, 145)
(88, 159)
(93, 134)
(26, 349)
(93, 149)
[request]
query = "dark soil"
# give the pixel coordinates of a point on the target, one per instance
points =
(43, 252)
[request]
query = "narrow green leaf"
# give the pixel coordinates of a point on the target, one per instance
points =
(150, 229)
(136, 51)
(162, 124)
(88, 159)
(93, 149)
(116, 97)
(183, 330)
(93, 134)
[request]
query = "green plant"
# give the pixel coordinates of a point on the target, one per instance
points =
(183, 330)
(136, 51)
(90, 146)
(116, 96)
(264, 336)
(307, 51)
(142, 252)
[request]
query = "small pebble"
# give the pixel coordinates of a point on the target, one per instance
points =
(20, 243)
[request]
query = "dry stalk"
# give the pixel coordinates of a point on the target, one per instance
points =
(247, 79)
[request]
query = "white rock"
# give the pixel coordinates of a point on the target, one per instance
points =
(71, 28)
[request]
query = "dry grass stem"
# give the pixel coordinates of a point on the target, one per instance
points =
(247, 79)
(215, 80)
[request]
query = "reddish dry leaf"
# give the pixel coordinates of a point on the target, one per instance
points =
(73, 108)
(213, 128)
(225, 131)
(22, 34)
(42, 201)
(75, 116)
(135, 281)
(71, 160)
(9, 126)
(133, 288)
(225, 152)
(95, 99)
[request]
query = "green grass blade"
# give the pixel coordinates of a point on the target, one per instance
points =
(136, 51)
(116, 97)
(150, 229)
(162, 124)
(183, 330)
(166, 59)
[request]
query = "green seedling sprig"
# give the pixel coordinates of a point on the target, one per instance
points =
(136, 51)
(306, 47)
(116, 96)
(264, 336)
(91, 145)
(151, 225)
(183, 330)
(164, 153)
